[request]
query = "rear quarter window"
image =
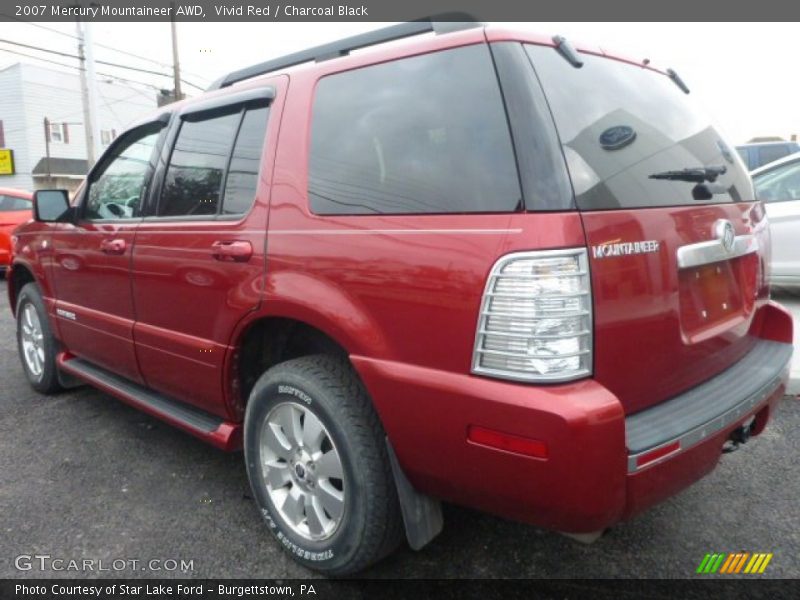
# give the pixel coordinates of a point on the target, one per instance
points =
(426, 134)
(620, 123)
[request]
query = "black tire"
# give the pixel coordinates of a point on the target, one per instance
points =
(47, 382)
(371, 525)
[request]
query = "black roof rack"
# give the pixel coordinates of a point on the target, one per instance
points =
(443, 23)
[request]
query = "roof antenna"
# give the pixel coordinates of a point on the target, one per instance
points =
(566, 50)
(678, 81)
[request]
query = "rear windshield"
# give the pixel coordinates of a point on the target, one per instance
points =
(619, 124)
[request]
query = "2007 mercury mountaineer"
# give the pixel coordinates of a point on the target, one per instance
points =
(463, 264)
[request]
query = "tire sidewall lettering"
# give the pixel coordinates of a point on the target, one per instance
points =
(293, 391)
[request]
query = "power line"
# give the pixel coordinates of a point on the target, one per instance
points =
(99, 45)
(47, 60)
(7, 16)
(155, 62)
(124, 80)
(71, 114)
(101, 62)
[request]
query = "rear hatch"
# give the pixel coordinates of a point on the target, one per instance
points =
(676, 267)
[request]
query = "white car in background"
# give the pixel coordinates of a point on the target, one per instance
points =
(778, 186)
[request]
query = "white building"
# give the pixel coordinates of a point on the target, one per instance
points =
(31, 95)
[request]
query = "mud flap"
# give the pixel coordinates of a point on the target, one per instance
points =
(68, 381)
(422, 515)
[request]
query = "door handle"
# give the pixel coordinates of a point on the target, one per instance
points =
(113, 246)
(236, 251)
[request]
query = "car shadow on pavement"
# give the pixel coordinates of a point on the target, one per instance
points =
(86, 476)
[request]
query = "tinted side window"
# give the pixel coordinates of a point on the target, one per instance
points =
(194, 177)
(240, 185)
(215, 158)
(426, 134)
(116, 191)
(10, 203)
(768, 154)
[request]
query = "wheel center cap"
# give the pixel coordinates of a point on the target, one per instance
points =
(300, 471)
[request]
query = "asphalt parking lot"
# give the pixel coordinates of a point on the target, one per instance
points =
(84, 476)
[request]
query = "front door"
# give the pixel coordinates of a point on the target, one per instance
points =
(198, 260)
(92, 256)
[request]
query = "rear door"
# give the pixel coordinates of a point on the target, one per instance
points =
(675, 266)
(198, 261)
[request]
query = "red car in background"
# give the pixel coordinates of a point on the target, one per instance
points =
(15, 209)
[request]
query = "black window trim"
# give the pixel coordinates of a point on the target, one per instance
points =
(534, 136)
(244, 100)
(163, 121)
(259, 94)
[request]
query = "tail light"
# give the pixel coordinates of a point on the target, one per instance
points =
(535, 322)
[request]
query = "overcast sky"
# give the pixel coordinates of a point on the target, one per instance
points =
(744, 74)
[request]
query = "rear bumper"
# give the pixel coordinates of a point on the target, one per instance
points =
(699, 447)
(655, 434)
(590, 479)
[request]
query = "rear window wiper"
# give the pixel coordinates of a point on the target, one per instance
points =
(698, 175)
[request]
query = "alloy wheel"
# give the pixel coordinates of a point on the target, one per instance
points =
(302, 471)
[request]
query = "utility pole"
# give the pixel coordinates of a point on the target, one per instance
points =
(88, 92)
(176, 67)
(47, 148)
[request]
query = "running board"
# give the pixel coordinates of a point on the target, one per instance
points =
(210, 428)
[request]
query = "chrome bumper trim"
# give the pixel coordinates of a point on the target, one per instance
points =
(708, 429)
(704, 253)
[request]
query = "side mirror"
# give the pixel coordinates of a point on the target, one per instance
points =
(50, 206)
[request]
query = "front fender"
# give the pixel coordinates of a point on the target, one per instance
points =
(31, 249)
(36, 269)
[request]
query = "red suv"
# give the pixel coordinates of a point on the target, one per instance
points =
(474, 265)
